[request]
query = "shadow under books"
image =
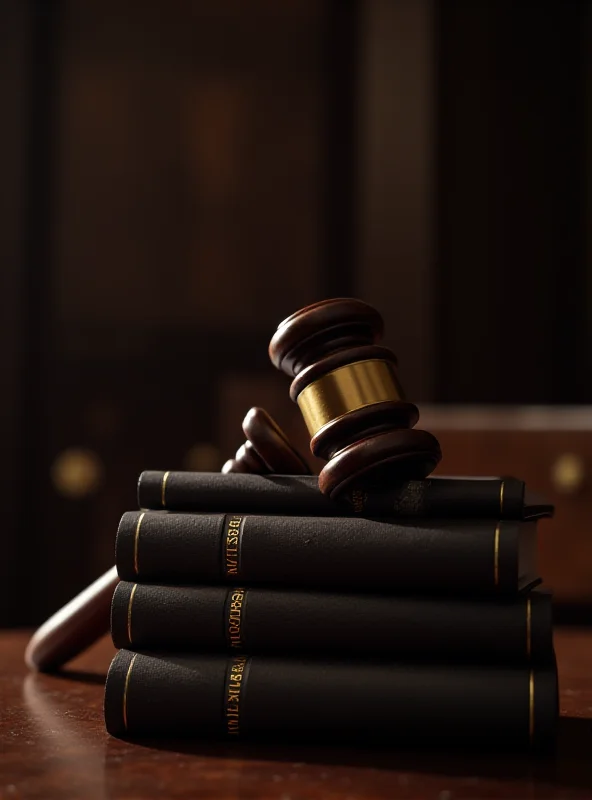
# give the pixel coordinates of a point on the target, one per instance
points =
(568, 765)
(81, 676)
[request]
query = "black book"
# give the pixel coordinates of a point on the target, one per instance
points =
(237, 696)
(263, 620)
(347, 553)
(494, 498)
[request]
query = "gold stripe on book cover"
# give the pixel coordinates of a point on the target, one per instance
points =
(496, 539)
(126, 690)
(528, 627)
(136, 541)
(165, 478)
(531, 707)
(129, 613)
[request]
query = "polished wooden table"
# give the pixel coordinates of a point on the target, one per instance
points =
(53, 745)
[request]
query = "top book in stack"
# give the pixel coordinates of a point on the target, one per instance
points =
(439, 497)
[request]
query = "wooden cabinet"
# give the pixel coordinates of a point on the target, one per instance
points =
(549, 448)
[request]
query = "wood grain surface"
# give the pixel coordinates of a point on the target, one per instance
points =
(53, 745)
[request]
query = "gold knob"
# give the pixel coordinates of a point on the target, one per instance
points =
(568, 473)
(77, 472)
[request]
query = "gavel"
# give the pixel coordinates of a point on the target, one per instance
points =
(83, 620)
(347, 388)
(348, 391)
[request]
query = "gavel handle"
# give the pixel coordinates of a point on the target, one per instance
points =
(74, 627)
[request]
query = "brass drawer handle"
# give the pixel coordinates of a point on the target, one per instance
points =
(203, 457)
(568, 473)
(77, 472)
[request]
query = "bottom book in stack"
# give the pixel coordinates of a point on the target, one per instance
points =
(361, 657)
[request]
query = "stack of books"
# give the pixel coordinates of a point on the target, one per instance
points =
(253, 605)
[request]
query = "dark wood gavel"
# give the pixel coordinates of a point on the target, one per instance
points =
(82, 621)
(347, 387)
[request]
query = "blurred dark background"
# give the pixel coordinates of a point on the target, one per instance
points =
(179, 177)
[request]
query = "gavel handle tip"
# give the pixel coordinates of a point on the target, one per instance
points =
(74, 628)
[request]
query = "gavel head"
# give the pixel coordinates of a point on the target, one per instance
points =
(348, 391)
(267, 449)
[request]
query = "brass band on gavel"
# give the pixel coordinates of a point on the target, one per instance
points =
(346, 389)
(348, 392)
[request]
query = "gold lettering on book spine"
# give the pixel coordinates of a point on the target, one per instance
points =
(165, 478)
(236, 678)
(232, 539)
(129, 613)
(137, 541)
(234, 620)
(126, 690)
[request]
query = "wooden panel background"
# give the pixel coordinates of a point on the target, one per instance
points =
(190, 215)
(205, 168)
(13, 312)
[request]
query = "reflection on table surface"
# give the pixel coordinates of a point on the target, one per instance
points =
(53, 744)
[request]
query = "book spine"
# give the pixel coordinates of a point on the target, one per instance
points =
(501, 498)
(259, 620)
(463, 557)
(239, 696)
